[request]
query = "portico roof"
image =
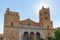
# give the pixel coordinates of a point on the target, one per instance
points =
(29, 22)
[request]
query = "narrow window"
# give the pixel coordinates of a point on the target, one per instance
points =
(1, 38)
(7, 13)
(15, 14)
(12, 37)
(40, 14)
(11, 24)
(45, 12)
(46, 18)
(47, 27)
(48, 34)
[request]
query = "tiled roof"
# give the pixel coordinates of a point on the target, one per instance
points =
(29, 22)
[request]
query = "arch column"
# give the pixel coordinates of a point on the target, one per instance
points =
(29, 35)
(35, 35)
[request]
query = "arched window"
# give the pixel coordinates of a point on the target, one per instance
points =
(46, 18)
(40, 14)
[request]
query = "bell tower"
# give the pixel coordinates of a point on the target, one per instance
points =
(11, 18)
(44, 16)
(11, 24)
(45, 22)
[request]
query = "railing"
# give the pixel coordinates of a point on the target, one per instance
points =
(29, 27)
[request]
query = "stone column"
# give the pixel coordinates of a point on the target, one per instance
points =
(29, 35)
(35, 35)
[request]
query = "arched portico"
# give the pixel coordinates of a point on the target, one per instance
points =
(37, 36)
(32, 36)
(26, 36)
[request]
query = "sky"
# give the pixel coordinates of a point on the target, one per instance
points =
(30, 8)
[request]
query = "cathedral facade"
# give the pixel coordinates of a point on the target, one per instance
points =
(16, 29)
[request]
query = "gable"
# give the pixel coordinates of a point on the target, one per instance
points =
(29, 22)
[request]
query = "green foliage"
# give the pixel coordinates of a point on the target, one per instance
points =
(41, 39)
(57, 34)
(50, 38)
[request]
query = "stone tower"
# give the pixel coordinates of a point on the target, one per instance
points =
(11, 24)
(45, 22)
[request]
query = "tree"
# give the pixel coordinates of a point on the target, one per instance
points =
(57, 34)
(41, 39)
(50, 38)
